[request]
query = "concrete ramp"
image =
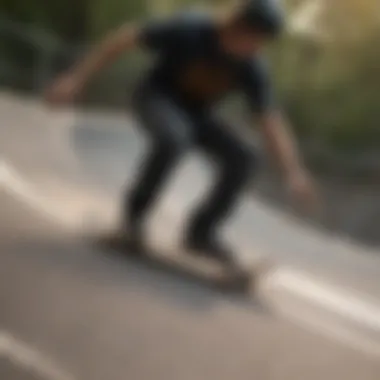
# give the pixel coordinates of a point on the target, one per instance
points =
(94, 155)
(75, 165)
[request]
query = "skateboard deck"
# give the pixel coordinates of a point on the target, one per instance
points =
(239, 277)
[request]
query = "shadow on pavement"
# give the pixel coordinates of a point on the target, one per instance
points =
(80, 260)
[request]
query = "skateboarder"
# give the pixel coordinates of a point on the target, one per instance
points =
(200, 58)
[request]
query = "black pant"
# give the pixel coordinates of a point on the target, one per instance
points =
(173, 131)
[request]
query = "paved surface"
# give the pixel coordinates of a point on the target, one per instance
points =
(68, 312)
(9, 370)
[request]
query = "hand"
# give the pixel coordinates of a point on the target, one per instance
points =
(303, 190)
(64, 90)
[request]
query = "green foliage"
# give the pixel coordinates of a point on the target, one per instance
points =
(105, 15)
(65, 19)
(331, 92)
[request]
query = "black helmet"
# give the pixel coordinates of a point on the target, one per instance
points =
(265, 16)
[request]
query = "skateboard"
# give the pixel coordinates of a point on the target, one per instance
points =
(237, 277)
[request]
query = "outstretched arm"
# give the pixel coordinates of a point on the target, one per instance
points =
(68, 86)
(159, 36)
(106, 52)
(280, 142)
(276, 132)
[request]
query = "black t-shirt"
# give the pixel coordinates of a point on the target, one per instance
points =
(192, 66)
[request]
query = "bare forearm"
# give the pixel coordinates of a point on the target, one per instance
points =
(281, 143)
(105, 53)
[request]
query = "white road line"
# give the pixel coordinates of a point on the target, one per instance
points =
(12, 182)
(346, 336)
(30, 359)
(296, 283)
(336, 300)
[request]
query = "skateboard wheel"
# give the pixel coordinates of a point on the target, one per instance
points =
(239, 281)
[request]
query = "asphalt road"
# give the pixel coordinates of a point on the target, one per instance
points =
(69, 312)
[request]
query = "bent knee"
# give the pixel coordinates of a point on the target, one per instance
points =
(173, 146)
(245, 161)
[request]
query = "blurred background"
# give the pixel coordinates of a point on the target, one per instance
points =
(67, 307)
(326, 69)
